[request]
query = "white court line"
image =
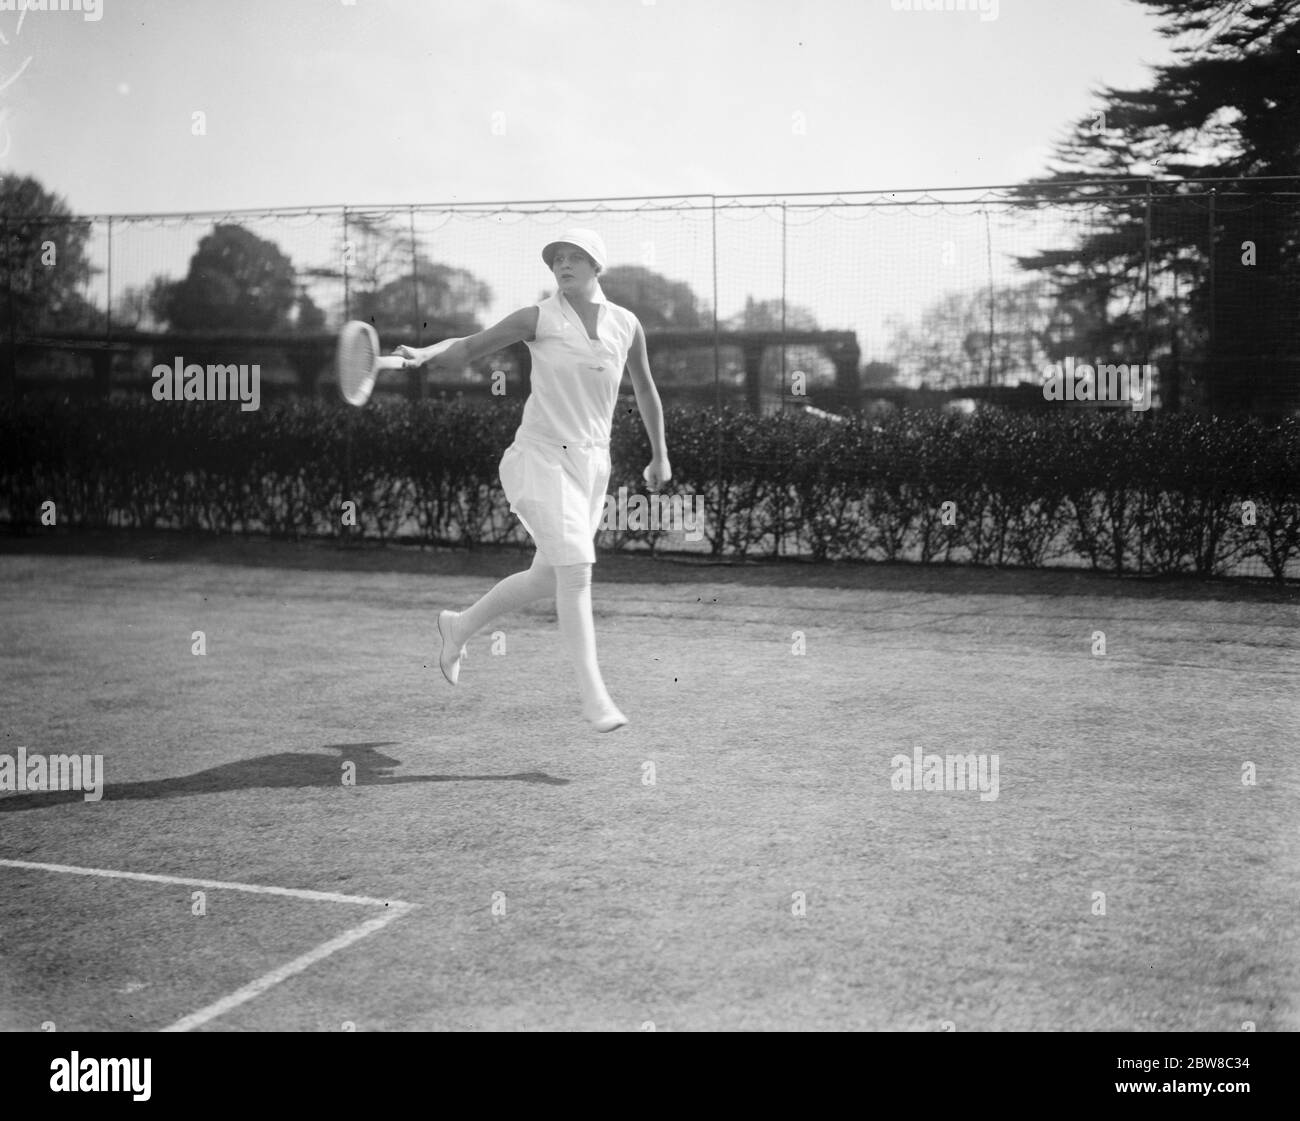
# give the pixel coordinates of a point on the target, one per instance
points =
(395, 909)
(256, 988)
(260, 889)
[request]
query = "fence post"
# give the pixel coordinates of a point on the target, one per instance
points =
(783, 277)
(415, 374)
(1172, 399)
(108, 302)
(988, 245)
(347, 299)
(753, 352)
(1213, 310)
(415, 281)
(721, 505)
(717, 364)
(1146, 282)
(350, 414)
(11, 357)
(102, 365)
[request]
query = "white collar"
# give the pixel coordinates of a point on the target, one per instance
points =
(597, 296)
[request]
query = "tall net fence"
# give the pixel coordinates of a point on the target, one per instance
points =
(942, 291)
(870, 301)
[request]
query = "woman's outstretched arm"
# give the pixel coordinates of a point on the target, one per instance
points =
(515, 327)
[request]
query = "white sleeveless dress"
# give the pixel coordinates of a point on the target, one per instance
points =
(556, 471)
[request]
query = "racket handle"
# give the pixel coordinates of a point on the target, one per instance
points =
(390, 362)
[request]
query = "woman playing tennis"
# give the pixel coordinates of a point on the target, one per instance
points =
(555, 473)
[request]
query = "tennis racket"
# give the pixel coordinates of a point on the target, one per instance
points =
(359, 362)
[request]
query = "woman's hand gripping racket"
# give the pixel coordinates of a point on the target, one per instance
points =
(359, 362)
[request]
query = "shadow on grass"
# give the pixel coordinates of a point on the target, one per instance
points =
(288, 770)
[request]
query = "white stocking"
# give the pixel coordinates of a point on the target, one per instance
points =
(578, 631)
(510, 594)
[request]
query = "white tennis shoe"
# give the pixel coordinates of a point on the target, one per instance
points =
(605, 717)
(449, 665)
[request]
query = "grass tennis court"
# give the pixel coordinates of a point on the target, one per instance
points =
(620, 903)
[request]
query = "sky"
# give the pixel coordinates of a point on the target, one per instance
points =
(178, 106)
(423, 101)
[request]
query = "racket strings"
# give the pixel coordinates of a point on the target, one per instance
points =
(357, 353)
(359, 358)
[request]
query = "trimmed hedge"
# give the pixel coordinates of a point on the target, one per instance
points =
(1124, 493)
